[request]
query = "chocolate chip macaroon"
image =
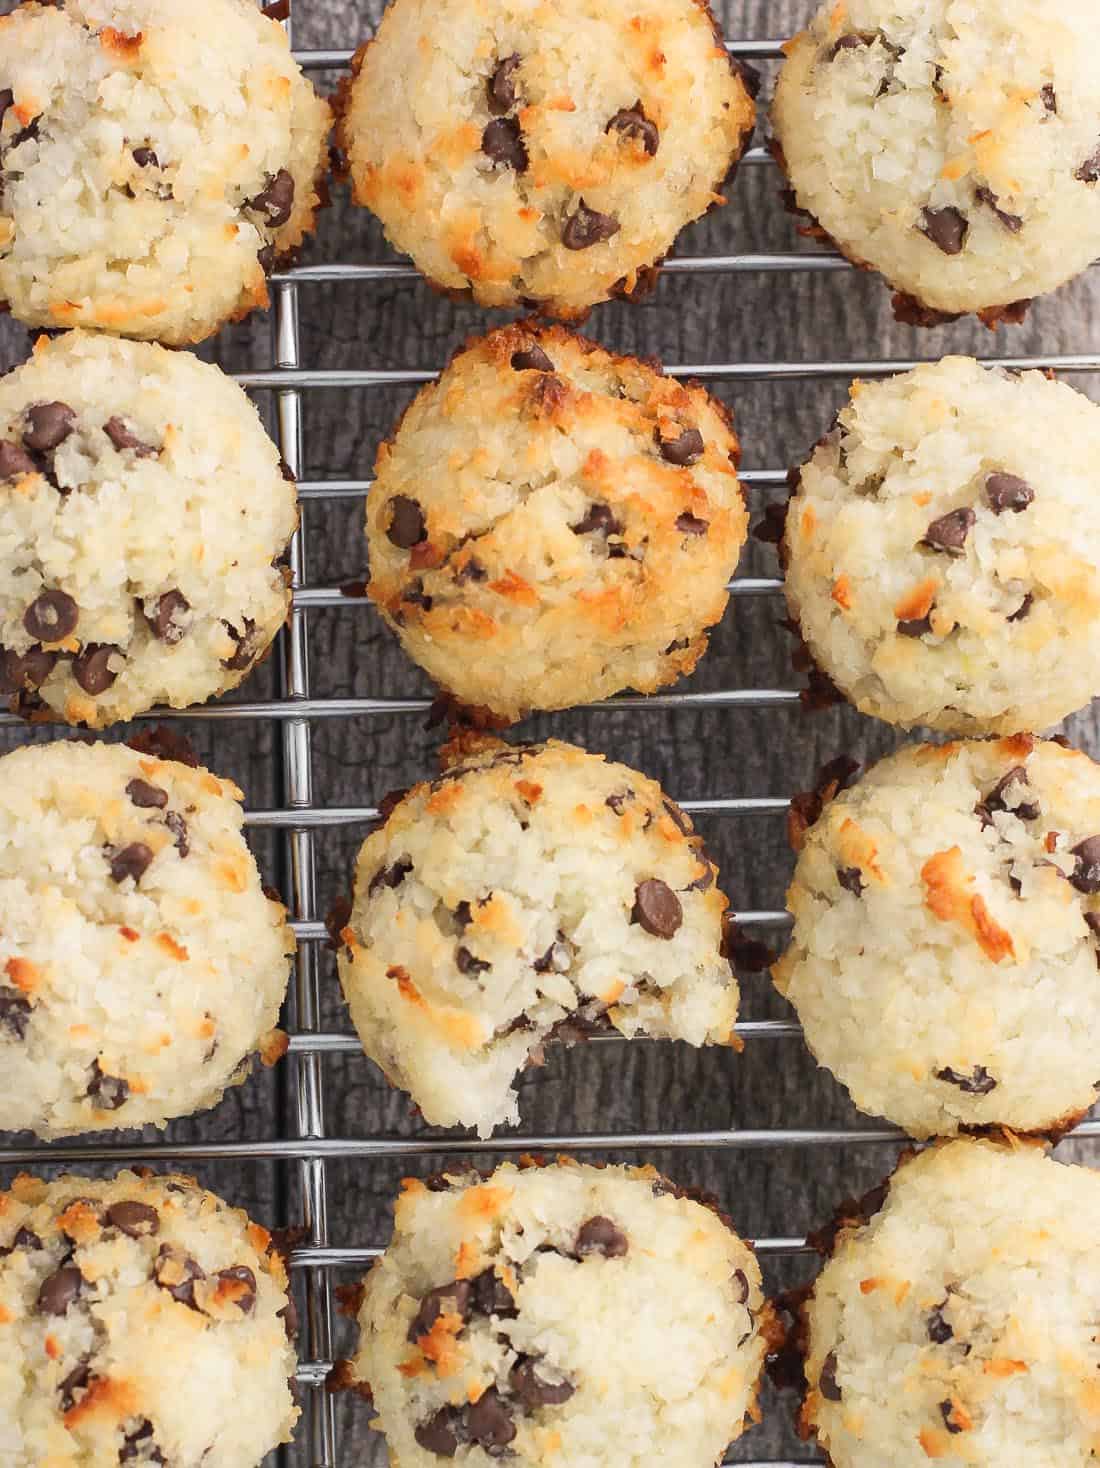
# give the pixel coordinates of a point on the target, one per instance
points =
(544, 155)
(956, 1322)
(528, 893)
(551, 523)
(947, 935)
(144, 1322)
(155, 163)
(943, 549)
(953, 147)
(144, 515)
(141, 963)
(565, 1313)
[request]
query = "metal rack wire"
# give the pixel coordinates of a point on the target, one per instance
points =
(298, 818)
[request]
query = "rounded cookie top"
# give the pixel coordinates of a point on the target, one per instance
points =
(958, 1324)
(947, 935)
(153, 163)
(551, 523)
(145, 1321)
(543, 154)
(572, 1313)
(528, 893)
(141, 964)
(953, 145)
(943, 549)
(142, 511)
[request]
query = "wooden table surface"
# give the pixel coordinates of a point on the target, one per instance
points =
(770, 1189)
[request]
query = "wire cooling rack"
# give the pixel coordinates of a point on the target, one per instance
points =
(309, 1148)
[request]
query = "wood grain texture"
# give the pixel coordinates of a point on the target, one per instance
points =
(612, 1087)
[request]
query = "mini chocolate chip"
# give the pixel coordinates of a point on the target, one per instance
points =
(690, 524)
(407, 527)
(166, 620)
(742, 1281)
(77, 1379)
(491, 1296)
(946, 1409)
(657, 908)
(1049, 96)
(557, 959)
(489, 1422)
(177, 1273)
(1089, 173)
(24, 1239)
(415, 595)
(106, 1092)
(138, 1220)
(851, 879)
(178, 827)
(1012, 222)
(246, 651)
(240, 1274)
(1086, 873)
(1008, 492)
(978, 1083)
(501, 86)
(48, 425)
(29, 672)
(600, 1236)
(145, 158)
(827, 1382)
(51, 617)
(139, 1442)
(277, 10)
(678, 817)
(125, 438)
(598, 518)
(939, 1332)
(14, 462)
(276, 202)
(449, 1299)
(468, 964)
(463, 916)
(60, 1290)
(15, 1012)
(633, 123)
(473, 570)
(502, 143)
(916, 628)
(684, 450)
(949, 532)
(1023, 609)
(146, 796)
(7, 99)
(128, 861)
(29, 133)
(618, 800)
(532, 1390)
(391, 876)
(531, 359)
(91, 669)
(946, 228)
(1025, 810)
(440, 1434)
(289, 1316)
(586, 227)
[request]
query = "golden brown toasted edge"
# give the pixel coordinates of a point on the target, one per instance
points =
(908, 310)
(350, 1297)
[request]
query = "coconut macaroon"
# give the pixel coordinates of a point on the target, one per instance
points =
(958, 1324)
(551, 523)
(953, 146)
(535, 154)
(154, 163)
(946, 930)
(943, 549)
(141, 964)
(564, 1313)
(144, 1321)
(528, 893)
(143, 511)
